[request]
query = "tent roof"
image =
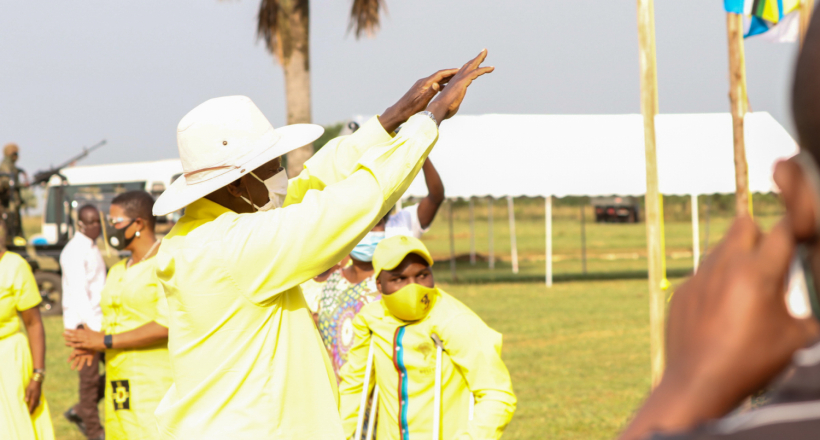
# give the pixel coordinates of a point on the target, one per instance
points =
(536, 155)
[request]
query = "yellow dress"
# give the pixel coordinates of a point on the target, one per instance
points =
(136, 379)
(18, 292)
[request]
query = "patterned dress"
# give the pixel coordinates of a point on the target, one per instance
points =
(339, 304)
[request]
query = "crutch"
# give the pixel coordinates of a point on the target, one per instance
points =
(365, 389)
(437, 398)
(371, 423)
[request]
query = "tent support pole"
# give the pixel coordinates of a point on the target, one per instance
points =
(513, 243)
(740, 105)
(452, 242)
(649, 108)
(472, 233)
(548, 215)
(583, 240)
(490, 230)
(695, 234)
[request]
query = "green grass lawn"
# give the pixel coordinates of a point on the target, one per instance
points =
(578, 354)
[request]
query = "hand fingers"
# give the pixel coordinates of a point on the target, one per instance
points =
(441, 75)
(89, 359)
(475, 62)
(484, 70)
(742, 235)
(775, 251)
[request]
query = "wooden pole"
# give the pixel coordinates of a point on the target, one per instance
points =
(513, 242)
(740, 105)
(649, 108)
(695, 234)
(548, 215)
(472, 233)
(452, 242)
(806, 9)
(491, 251)
(583, 241)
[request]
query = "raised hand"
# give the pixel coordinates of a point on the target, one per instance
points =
(449, 100)
(415, 100)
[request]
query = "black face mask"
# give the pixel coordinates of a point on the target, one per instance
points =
(116, 236)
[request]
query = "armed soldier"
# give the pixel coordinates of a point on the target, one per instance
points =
(10, 199)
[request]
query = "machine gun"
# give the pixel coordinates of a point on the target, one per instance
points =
(42, 177)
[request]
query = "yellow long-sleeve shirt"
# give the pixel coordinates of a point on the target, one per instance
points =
(405, 365)
(247, 360)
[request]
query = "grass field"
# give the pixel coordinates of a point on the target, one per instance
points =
(578, 355)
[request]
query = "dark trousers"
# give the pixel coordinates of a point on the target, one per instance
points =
(92, 390)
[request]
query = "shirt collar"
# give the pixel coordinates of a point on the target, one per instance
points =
(79, 236)
(196, 214)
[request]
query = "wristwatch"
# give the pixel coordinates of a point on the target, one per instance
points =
(108, 341)
(430, 114)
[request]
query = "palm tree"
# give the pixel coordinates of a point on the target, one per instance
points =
(285, 27)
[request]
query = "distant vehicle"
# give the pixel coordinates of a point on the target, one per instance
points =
(97, 185)
(616, 209)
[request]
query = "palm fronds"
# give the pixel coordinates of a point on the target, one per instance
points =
(364, 16)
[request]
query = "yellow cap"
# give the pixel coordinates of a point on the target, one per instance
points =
(391, 252)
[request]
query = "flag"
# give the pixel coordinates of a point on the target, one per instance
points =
(772, 20)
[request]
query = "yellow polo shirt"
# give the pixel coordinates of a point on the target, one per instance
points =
(247, 360)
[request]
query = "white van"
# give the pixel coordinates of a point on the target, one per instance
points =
(98, 185)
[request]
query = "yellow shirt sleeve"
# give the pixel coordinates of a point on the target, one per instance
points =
(269, 252)
(25, 288)
(352, 376)
(476, 349)
(337, 160)
(161, 314)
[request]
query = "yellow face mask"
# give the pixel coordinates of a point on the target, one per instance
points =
(412, 302)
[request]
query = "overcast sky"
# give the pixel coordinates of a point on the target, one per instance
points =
(75, 72)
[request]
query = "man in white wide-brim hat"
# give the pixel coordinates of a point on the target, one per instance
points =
(247, 359)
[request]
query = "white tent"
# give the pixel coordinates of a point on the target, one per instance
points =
(559, 155)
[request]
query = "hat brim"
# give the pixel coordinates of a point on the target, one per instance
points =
(179, 194)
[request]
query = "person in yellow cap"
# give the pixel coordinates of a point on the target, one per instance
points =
(134, 327)
(247, 359)
(403, 330)
(24, 413)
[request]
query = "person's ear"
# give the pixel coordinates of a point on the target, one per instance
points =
(799, 199)
(236, 188)
(379, 284)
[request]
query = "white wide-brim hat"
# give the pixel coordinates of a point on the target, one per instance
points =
(220, 141)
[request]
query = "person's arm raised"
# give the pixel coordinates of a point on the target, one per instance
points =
(429, 205)
(339, 158)
(729, 332)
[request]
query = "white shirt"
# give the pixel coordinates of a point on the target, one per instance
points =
(405, 222)
(83, 281)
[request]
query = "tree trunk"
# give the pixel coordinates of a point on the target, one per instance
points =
(294, 46)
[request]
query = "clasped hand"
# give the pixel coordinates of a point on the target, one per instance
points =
(448, 87)
(85, 343)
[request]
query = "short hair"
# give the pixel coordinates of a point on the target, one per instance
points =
(806, 91)
(137, 204)
(85, 208)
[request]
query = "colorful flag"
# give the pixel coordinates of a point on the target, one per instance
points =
(772, 20)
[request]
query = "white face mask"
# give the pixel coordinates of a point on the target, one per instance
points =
(277, 186)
